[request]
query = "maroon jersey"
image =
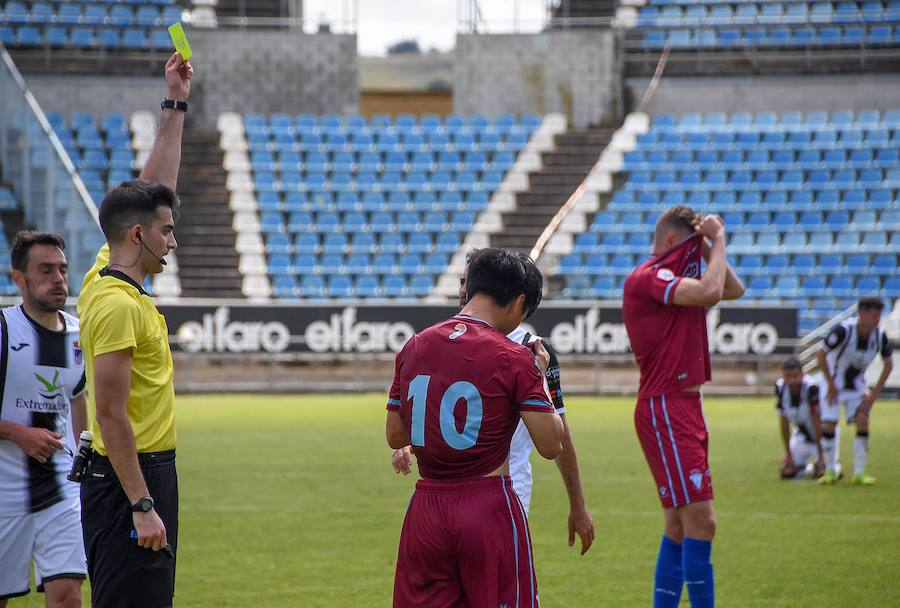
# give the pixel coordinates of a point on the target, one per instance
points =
(669, 342)
(459, 387)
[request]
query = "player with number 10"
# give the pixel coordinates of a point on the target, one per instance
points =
(459, 390)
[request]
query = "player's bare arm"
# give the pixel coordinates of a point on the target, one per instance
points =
(112, 382)
(787, 467)
(165, 156)
(580, 520)
(873, 393)
(397, 434)
(832, 394)
(785, 427)
(37, 442)
(79, 414)
(708, 290)
(734, 287)
(817, 429)
(546, 430)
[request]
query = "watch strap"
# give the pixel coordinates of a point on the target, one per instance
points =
(174, 104)
(141, 505)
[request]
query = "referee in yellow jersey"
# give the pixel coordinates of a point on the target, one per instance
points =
(129, 496)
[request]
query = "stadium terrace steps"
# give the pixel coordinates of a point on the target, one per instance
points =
(208, 261)
(564, 168)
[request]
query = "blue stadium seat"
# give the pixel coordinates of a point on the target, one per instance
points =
(394, 286)
(366, 287)
(284, 287)
(312, 286)
(421, 286)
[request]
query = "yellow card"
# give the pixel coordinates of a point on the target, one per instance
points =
(180, 40)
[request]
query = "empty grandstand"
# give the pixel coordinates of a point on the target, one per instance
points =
(300, 199)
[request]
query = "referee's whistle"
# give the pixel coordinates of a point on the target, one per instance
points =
(167, 549)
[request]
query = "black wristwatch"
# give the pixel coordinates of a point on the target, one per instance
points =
(144, 505)
(173, 104)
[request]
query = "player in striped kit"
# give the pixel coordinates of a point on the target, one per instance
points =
(797, 403)
(42, 409)
(843, 359)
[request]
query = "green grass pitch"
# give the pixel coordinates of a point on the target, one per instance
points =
(290, 501)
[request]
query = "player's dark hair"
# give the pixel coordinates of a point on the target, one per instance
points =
(681, 218)
(504, 275)
(792, 363)
(133, 202)
(27, 239)
(870, 303)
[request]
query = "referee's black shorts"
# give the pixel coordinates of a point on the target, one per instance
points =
(124, 575)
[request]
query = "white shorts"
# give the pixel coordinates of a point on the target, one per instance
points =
(849, 400)
(520, 464)
(803, 451)
(52, 537)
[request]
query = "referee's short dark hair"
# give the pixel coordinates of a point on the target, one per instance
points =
(870, 303)
(505, 275)
(27, 239)
(133, 202)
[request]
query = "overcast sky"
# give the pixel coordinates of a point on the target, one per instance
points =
(432, 22)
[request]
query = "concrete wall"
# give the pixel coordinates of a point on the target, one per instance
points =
(779, 93)
(264, 70)
(242, 70)
(576, 73)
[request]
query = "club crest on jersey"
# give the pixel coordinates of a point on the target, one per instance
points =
(77, 355)
(696, 478)
(664, 274)
(460, 328)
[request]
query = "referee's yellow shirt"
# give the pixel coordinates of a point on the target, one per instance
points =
(117, 314)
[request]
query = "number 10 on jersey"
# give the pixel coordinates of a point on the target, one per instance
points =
(418, 394)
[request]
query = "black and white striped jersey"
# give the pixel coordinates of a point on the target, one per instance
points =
(849, 355)
(41, 371)
(796, 407)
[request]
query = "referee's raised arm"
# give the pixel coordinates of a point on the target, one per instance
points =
(165, 157)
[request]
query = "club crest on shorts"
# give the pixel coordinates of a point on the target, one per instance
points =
(664, 274)
(663, 490)
(460, 328)
(696, 478)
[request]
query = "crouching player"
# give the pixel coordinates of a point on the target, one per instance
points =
(797, 403)
(459, 390)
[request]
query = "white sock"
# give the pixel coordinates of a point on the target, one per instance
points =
(860, 452)
(828, 452)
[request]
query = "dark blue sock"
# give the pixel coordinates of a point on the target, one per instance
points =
(698, 573)
(669, 575)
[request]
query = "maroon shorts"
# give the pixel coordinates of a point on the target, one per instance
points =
(465, 545)
(675, 439)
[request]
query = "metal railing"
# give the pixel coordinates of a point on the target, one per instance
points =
(43, 176)
(809, 344)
